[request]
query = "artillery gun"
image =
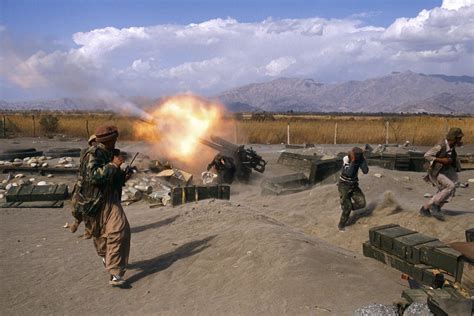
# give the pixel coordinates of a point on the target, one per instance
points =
(439, 275)
(245, 159)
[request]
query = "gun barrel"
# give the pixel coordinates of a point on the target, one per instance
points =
(228, 145)
(133, 159)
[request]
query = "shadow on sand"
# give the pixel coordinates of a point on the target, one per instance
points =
(157, 264)
(456, 213)
(358, 214)
(159, 224)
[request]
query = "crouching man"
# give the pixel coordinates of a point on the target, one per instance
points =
(444, 164)
(351, 196)
(97, 198)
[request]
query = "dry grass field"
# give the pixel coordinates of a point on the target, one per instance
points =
(320, 129)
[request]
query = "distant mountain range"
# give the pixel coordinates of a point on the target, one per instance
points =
(398, 92)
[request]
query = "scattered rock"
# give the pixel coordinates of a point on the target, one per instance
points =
(31, 179)
(428, 195)
(17, 160)
(44, 164)
(20, 175)
(42, 183)
(470, 180)
(49, 175)
(17, 163)
(2, 196)
(378, 175)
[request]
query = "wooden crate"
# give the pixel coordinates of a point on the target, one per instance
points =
(26, 193)
(182, 195)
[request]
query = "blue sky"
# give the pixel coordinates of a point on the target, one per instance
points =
(209, 46)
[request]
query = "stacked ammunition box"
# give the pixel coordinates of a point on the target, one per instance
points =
(427, 260)
(182, 195)
(28, 193)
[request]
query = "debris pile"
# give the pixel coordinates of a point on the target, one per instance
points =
(151, 188)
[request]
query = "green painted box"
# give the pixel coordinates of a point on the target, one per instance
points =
(27, 193)
(182, 195)
(372, 252)
(384, 238)
(444, 258)
(403, 246)
(415, 296)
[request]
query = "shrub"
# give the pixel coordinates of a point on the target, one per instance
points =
(49, 124)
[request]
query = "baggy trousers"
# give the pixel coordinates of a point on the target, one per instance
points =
(113, 243)
(351, 198)
(446, 183)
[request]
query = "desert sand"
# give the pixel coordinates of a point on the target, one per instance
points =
(266, 255)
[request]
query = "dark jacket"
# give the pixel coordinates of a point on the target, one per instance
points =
(350, 170)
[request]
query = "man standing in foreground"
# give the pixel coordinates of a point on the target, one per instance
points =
(442, 172)
(98, 198)
(351, 196)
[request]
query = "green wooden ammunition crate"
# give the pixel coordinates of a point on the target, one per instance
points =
(421, 273)
(372, 252)
(424, 274)
(400, 264)
(417, 250)
(444, 258)
(403, 246)
(470, 235)
(374, 229)
(223, 192)
(415, 296)
(28, 193)
(447, 301)
(182, 195)
(384, 238)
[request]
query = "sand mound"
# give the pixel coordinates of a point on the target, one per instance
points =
(251, 255)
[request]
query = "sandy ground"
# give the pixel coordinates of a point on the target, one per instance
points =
(270, 255)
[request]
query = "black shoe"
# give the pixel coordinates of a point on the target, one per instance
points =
(341, 228)
(436, 212)
(425, 212)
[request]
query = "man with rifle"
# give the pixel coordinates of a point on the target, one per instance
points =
(97, 200)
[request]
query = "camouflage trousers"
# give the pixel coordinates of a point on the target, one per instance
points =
(351, 198)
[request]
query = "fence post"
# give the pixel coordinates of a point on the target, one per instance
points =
(87, 128)
(288, 134)
(335, 133)
(34, 125)
(387, 124)
(4, 127)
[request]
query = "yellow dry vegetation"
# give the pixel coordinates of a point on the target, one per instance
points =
(418, 130)
(318, 129)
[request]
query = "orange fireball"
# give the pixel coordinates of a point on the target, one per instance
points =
(178, 123)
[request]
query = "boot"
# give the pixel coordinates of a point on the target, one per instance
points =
(425, 212)
(436, 212)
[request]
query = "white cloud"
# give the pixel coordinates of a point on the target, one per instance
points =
(456, 4)
(277, 66)
(219, 54)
